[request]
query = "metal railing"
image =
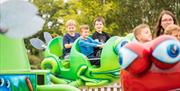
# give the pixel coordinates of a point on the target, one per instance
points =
(113, 87)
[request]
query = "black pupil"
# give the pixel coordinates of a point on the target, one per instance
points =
(123, 43)
(0, 81)
(7, 83)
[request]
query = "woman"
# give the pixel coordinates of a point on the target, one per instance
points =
(166, 18)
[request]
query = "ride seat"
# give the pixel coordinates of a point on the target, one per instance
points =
(55, 47)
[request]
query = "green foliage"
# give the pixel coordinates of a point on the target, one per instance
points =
(121, 15)
(129, 13)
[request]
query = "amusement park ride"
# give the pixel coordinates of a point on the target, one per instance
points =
(152, 66)
(18, 20)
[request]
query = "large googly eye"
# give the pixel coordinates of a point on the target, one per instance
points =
(7, 83)
(122, 43)
(167, 52)
(126, 57)
(1, 82)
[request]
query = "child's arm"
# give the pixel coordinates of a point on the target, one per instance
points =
(93, 41)
(68, 45)
(100, 46)
(66, 42)
(87, 44)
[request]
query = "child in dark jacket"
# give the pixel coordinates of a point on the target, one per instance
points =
(69, 38)
(99, 35)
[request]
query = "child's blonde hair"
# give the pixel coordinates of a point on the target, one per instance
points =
(137, 30)
(171, 28)
(71, 23)
(84, 27)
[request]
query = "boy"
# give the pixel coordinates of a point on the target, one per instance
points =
(142, 33)
(87, 44)
(69, 38)
(99, 35)
(173, 30)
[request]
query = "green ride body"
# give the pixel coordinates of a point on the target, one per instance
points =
(15, 70)
(77, 70)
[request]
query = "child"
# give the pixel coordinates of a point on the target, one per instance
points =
(173, 30)
(87, 44)
(69, 38)
(99, 35)
(142, 33)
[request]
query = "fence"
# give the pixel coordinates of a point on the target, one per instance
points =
(114, 87)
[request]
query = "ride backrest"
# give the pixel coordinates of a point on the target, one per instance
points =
(109, 58)
(76, 48)
(76, 53)
(55, 46)
(77, 45)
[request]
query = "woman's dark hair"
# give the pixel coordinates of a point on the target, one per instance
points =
(159, 29)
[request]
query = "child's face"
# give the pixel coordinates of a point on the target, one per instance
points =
(85, 33)
(99, 26)
(145, 35)
(176, 34)
(71, 29)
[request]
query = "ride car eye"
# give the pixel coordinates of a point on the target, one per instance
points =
(167, 52)
(121, 44)
(1, 82)
(7, 83)
(126, 57)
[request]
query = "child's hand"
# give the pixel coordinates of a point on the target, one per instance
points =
(96, 40)
(100, 46)
(68, 45)
(71, 44)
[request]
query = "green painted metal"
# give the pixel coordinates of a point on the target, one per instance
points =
(62, 87)
(55, 47)
(15, 67)
(13, 56)
(79, 71)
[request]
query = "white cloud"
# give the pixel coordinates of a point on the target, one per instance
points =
(1, 1)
